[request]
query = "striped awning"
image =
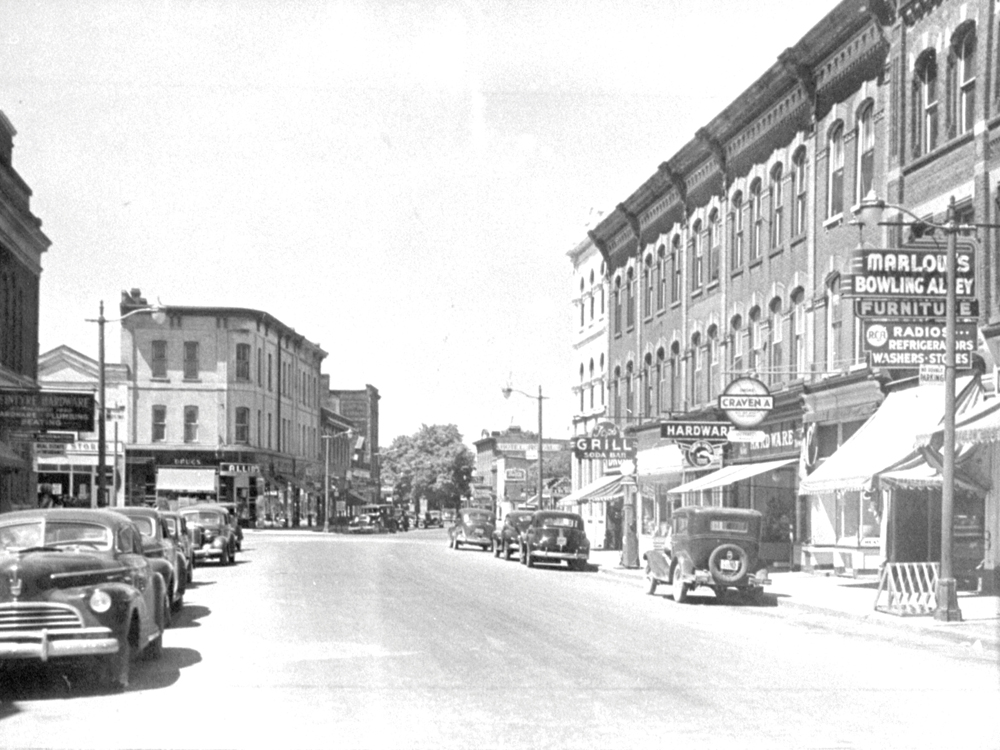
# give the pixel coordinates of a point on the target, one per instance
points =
(730, 475)
(606, 488)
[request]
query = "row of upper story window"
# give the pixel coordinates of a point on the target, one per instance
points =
(929, 120)
(190, 429)
(305, 387)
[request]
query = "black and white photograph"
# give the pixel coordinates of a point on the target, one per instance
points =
(502, 374)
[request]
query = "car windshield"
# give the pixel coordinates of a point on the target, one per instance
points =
(475, 517)
(145, 525)
(54, 534)
(171, 524)
(204, 516)
(741, 527)
(522, 522)
(565, 522)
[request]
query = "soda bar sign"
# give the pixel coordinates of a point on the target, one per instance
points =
(901, 273)
(605, 447)
(916, 344)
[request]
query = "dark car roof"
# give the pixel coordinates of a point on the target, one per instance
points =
(93, 515)
(556, 514)
(138, 510)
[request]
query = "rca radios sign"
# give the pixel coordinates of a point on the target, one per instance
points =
(914, 344)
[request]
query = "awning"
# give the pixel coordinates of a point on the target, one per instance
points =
(886, 439)
(169, 479)
(661, 461)
(606, 488)
(729, 475)
(972, 427)
(9, 459)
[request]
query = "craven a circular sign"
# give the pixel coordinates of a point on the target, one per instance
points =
(746, 402)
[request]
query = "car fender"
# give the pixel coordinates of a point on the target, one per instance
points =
(682, 562)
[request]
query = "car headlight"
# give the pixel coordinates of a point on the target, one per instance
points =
(100, 601)
(218, 541)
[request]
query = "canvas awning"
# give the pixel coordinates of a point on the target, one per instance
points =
(661, 461)
(170, 479)
(729, 475)
(606, 488)
(885, 440)
(972, 427)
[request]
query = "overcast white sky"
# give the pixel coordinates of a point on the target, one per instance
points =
(398, 181)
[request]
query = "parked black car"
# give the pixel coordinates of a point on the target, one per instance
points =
(507, 538)
(554, 536)
(74, 584)
(218, 540)
(159, 546)
(472, 526)
(714, 547)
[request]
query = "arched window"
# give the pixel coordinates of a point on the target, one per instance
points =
(629, 392)
(797, 350)
(736, 224)
(675, 376)
(835, 331)
(738, 347)
(697, 257)
(712, 355)
(630, 299)
(661, 277)
(591, 383)
(617, 302)
(714, 244)
(581, 387)
(777, 331)
(756, 221)
(616, 401)
(777, 204)
(675, 266)
(601, 385)
(647, 286)
(865, 140)
(647, 386)
(963, 79)
(754, 339)
(925, 103)
(695, 392)
(800, 192)
(835, 171)
(661, 380)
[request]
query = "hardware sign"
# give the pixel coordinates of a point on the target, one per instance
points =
(686, 432)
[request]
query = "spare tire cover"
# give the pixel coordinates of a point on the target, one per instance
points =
(735, 560)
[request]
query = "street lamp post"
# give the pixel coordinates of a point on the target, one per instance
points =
(158, 316)
(506, 394)
(870, 210)
(327, 437)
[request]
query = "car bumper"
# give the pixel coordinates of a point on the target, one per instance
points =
(753, 581)
(207, 553)
(546, 554)
(58, 642)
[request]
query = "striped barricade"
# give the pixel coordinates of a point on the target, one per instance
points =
(909, 588)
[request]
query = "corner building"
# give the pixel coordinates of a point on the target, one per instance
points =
(225, 404)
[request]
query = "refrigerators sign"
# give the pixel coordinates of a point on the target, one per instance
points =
(914, 344)
(902, 273)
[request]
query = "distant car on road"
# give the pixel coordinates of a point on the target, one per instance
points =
(473, 526)
(713, 547)
(218, 540)
(507, 538)
(554, 536)
(75, 583)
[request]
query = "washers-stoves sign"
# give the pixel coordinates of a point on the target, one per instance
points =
(701, 441)
(746, 402)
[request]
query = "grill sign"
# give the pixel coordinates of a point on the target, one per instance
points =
(620, 448)
(901, 273)
(916, 344)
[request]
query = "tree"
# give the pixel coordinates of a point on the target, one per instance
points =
(432, 464)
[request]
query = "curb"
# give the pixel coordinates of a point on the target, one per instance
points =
(946, 632)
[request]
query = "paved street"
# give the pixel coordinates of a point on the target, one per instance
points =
(398, 641)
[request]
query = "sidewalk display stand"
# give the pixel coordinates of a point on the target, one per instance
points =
(909, 587)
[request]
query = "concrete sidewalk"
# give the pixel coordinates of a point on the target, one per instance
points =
(852, 598)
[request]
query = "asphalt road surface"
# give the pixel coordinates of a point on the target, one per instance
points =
(396, 641)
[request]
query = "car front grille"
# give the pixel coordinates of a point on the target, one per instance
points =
(37, 615)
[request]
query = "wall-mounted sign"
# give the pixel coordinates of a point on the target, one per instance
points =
(686, 432)
(918, 309)
(702, 454)
(746, 402)
(878, 272)
(515, 474)
(621, 448)
(899, 344)
(47, 410)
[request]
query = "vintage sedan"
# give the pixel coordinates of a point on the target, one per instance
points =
(713, 547)
(75, 584)
(218, 542)
(507, 538)
(186, 539)
(554, 536)
(159, 546)
(473, 526)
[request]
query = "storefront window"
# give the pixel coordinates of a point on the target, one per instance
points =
(858, 517)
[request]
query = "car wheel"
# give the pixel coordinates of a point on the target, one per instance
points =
(177, 601)
(731, 553)
(679, 588)
(650, 581)
(154, 650)
(528, 559)
(496, 549)
(506, 551)
(232, 555)
(116, 668)
(224, 560)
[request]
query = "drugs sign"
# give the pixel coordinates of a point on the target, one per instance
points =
(892, 344)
